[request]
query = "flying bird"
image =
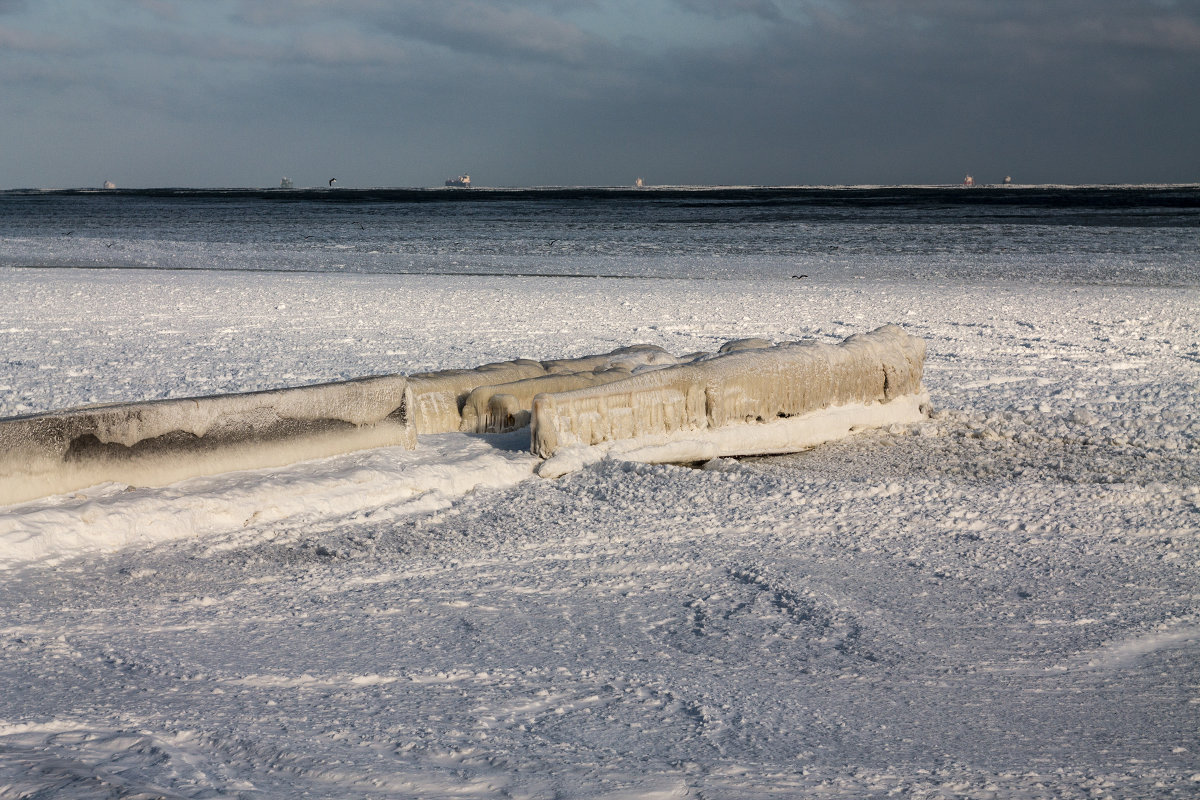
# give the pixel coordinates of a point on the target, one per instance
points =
(332, 181)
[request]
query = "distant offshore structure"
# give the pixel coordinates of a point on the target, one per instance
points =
(461, 181)
(969, 182)
(639, 183)
(109, 185)
(285, 183)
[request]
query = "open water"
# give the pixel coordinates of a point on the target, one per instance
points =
(1047, 234)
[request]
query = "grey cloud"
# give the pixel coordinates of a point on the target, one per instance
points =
(500, 30)
(1153, 25)
(275, 13)
(163, 9)
(724, 9)
(531, 30)
(808, 91)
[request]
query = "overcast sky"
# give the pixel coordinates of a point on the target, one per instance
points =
(597, 92)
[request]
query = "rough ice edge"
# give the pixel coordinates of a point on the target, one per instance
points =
(158, 442)
(769, 438)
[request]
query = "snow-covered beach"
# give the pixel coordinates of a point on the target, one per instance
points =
(999, 602)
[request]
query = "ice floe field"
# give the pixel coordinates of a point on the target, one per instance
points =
(1000, 602)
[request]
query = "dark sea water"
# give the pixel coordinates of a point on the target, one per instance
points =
(1073, 235)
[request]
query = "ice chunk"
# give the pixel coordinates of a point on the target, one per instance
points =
(162, 441)
(745, 386)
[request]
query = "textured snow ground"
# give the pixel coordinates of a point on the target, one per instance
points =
(999, 602)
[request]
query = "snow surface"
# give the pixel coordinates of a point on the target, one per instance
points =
(1000, 601)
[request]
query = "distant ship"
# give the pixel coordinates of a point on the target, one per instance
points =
(639, 183)
(463, 181)
(968, 181)
(1008, 180)
(285, 183)
(109, 185)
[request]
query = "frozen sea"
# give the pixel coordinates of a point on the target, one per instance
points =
(1000, 602)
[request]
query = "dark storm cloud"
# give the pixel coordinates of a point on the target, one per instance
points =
(552, 91)
(919, 90)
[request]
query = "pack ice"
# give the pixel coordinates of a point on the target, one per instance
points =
(637, 403)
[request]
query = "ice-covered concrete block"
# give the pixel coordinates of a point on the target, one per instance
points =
(507, 406)
(438, 397)
(786, 435)
(441, 397)
(158, 442)
(746, 386)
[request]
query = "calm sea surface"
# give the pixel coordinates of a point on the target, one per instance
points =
(1097, 235)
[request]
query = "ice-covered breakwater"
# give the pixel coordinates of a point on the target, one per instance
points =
(158, 442)
(747, 400)
(640, 402)
(494, 398)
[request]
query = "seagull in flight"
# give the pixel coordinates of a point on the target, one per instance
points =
(332, 181)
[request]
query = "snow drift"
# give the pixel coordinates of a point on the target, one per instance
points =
(734, 403)
(162, 441)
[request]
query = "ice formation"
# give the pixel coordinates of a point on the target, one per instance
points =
(640, 402)
(788, 435)
(158, 442)
(754, 385)
(438, 396)
(507, 406)
(734, 345)
(441, 398)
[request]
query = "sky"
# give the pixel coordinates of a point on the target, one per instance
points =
(150, 93)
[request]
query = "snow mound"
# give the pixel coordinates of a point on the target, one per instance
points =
(382, 485)
(159, 442)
